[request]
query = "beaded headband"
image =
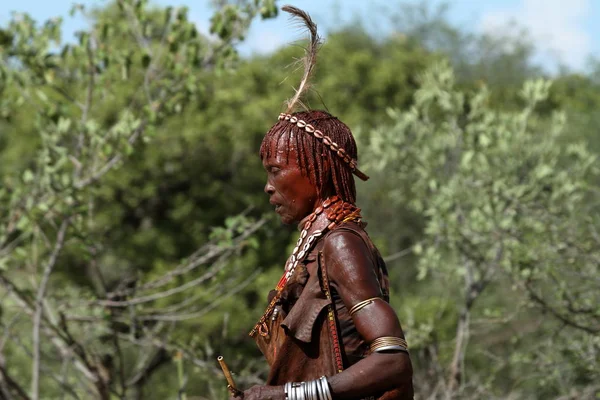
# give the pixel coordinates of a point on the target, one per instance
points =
(333, 146)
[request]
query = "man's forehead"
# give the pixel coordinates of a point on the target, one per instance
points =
(282, 145)
(279, 156)
(281, 151)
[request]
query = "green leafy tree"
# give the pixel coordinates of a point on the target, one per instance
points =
(199, 166)
(91, 104)
(148, 221)
(504, 207)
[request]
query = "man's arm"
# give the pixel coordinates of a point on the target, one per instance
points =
(351, 271)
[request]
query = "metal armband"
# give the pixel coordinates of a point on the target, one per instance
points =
(386, 344)
(362, 304)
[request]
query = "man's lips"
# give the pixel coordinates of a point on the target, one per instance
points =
(277, 205)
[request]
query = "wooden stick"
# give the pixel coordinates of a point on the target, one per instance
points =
(230, 383)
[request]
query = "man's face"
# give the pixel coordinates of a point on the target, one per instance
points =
(292, 193)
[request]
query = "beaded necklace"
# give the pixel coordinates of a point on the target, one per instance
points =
(336, 212)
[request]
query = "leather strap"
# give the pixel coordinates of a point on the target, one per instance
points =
(331, 318)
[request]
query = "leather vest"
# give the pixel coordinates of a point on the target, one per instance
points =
(300, 346)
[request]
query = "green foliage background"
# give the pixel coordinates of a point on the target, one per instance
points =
(483, 197)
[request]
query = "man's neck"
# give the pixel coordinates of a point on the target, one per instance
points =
(315, 206)
(303, 221)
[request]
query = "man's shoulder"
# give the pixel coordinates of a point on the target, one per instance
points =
(351, 234)
(348, 247)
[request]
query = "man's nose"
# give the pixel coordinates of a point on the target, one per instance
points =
(269, 189)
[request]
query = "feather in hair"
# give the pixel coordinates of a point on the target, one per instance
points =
(310, 57)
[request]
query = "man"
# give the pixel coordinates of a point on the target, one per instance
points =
(328, 331)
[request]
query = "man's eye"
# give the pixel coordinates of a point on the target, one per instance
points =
(274, 170)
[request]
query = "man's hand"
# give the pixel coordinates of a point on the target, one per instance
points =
(263, 393)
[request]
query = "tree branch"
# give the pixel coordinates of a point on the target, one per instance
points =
(210, 307)
(7, 384)
(96, 175)
(39, 303)
(548, 308)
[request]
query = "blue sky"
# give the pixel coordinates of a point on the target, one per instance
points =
(564, 31)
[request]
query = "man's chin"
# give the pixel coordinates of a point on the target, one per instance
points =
(286, 220)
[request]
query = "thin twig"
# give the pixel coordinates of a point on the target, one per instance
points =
(210, 307)
(194, 261)
(8, 383)
(121, 360)
(161, 295)
(398, 254)
(547, 307)
(37, 318)
(61, 381)
(51, 331)
(87, 106)
(96, 175)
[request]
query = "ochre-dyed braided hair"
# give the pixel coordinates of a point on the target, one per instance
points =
(325, 146)
(317, 160)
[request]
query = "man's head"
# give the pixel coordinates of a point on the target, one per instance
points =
(302, 171)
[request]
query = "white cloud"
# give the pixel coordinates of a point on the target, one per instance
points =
(556, 26)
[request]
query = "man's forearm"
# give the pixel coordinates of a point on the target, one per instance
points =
(373, 375)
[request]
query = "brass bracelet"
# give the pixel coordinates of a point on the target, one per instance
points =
(388, 343)
(362, 304)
